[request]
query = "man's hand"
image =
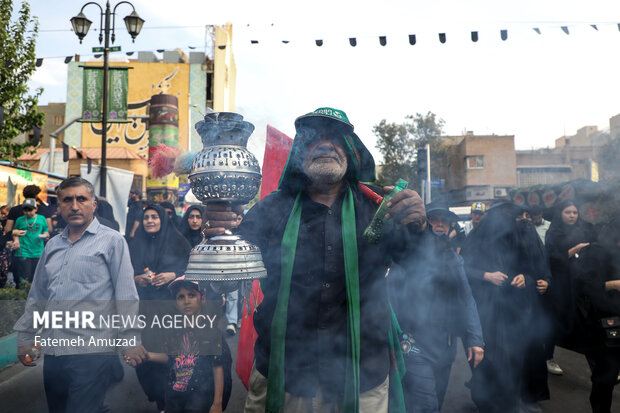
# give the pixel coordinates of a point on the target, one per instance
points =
(498, 278)
(541, 286)
(18, 232)
(220, 217)
(163, 278)
(26, 356)
(16, 243)
(406, 207)
(142, 280)
(135, 355)
(477, 353)
(518, 281)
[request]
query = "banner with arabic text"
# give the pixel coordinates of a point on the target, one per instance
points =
(117, 96)
(92, 94)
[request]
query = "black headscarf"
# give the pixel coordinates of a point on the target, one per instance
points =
(175, 217)
(193, 236)
(490, 244)
(564, 236)
(105, 214)
(532, 256)
(165, 251)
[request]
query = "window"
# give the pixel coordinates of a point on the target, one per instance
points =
(137, 182)
(474, 162)
(58, 120)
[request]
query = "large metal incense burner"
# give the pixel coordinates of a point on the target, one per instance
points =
(225, 171)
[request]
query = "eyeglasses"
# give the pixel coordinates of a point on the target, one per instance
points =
(28, 209)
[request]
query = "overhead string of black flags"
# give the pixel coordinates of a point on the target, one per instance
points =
(383, 40)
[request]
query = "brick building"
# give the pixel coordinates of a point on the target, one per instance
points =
(480, 167)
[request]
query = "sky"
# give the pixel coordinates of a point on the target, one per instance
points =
(537, 87)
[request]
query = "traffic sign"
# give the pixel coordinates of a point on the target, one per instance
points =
(97, 49)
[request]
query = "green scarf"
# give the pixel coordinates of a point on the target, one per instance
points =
(397, 368)
(275, 386)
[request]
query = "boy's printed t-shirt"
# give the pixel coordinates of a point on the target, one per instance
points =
(30, 245)
(188, 369)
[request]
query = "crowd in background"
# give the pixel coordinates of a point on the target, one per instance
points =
(537, 284)
(159, 243)
(510, 284)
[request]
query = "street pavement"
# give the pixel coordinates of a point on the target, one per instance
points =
(21, 389)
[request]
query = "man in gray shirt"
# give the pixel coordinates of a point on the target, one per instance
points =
(86, 267)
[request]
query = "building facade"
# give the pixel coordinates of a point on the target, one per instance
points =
(198, 81)
(480, 167)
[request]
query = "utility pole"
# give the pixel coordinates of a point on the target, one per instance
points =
(428, 174)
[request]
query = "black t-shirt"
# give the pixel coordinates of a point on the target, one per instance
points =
(17, 211)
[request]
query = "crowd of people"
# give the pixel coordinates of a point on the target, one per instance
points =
(346, 324)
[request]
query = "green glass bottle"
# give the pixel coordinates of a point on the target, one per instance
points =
(374, 232)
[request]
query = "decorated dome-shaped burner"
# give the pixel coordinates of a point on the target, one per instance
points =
(225, 171)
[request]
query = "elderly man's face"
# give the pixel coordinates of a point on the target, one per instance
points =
(325, 161)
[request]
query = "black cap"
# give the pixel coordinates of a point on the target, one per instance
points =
(435, 208)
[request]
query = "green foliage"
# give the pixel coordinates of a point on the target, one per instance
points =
(12, 305)
(399, 142)
(17, 64)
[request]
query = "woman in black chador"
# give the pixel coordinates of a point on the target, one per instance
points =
(191, 225)
(598, 289)
(564, 240)
(159, 254)
(499, 284)
(534, 265)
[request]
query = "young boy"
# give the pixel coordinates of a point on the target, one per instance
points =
(197, 383)
(28, 235)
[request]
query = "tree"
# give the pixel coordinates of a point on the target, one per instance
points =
(399, 142)
(17, 64)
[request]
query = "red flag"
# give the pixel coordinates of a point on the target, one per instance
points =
(247, 335)
(277, 147)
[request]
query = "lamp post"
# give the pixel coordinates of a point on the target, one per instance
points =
(81, 24)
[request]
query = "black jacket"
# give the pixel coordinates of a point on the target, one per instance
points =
(432, 299)
(597, 264)
(316, 334)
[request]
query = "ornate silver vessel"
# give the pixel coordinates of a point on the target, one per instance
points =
(225, 171)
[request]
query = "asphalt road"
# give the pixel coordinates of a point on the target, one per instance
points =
(21, 389)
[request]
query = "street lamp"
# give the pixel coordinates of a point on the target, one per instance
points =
(81, 24)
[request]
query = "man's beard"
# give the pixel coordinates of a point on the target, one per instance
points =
(326, 173)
